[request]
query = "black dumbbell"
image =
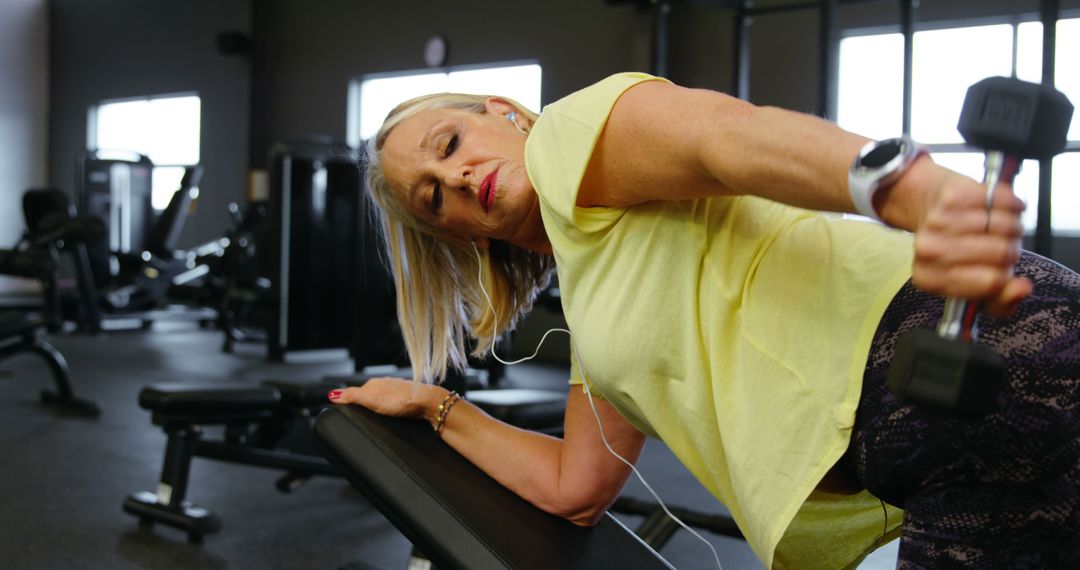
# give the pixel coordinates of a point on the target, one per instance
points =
(946, 369)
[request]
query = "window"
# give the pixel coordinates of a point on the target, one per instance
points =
(166, 129)
(372, 97)
(945, 62)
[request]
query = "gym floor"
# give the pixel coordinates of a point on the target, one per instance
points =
(64, 478)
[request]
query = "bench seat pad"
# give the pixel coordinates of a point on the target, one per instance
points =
(453, 512)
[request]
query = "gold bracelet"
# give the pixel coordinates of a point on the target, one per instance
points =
(444, 409)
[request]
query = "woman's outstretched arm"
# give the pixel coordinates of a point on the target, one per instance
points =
(574, 477)
(665, 142)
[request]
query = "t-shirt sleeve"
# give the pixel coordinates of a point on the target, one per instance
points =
(561, 144)
(577, 381)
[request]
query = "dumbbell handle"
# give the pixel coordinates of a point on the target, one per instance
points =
(961, 317)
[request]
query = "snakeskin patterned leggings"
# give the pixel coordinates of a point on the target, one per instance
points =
(1002, 491)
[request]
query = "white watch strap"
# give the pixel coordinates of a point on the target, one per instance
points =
(862, 192)
(863, 183)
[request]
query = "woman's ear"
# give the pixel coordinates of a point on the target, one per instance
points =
(499, 106)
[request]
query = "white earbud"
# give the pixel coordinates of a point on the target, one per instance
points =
(512, 117)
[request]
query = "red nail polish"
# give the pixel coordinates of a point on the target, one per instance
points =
(334, 394)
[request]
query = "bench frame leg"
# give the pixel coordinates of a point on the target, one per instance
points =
(168, 506)
(64, 396)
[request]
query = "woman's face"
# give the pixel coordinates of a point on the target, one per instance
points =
(464, 173)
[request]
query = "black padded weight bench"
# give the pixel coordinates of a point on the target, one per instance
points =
(454, 513)
(543, 411)
(267, 425)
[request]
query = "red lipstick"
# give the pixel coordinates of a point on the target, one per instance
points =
(486, 192)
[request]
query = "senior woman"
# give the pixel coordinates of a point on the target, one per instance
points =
(713, 307)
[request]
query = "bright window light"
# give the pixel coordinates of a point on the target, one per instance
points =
(168, 179)
(870, 97)
(120, 126)
(946, 63)
(1067, 75)
(1065, 206)
(1029, 51)
(165, 129)
(520, 83)
(174, 136)
(378, 96)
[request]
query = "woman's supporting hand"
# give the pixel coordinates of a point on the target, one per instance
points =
(394, 397)
(962, 249)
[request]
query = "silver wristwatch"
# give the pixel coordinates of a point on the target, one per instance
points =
(879, 165)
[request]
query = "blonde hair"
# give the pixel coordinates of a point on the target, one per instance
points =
(439, 298)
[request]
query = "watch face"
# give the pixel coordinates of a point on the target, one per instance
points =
(882, 154)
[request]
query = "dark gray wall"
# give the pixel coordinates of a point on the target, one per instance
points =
(306, 51)
(24, 34)
(106, 49)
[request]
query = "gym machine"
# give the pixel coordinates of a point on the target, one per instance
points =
(317, 226)
(301, 265)
(132, 272)
(118, 192)
(239, 283)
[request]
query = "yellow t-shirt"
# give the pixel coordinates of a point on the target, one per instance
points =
(735, 329)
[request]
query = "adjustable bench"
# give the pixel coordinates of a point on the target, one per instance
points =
(266, 426)
(454, 513)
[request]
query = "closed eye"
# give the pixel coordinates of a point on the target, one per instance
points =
(436, 190)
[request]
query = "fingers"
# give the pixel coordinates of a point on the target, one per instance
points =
(964, 250)
(944, 252)
(971, 266)
(387, 396)
(366, 394)
(346, 396)
(1005, 303)
(1001, 222)
(961, 193)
